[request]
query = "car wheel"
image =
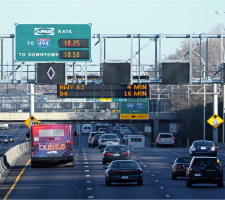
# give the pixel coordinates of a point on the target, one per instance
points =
(140, 182)
(188, 183)
(93, 146)
(174, 177)
(108, 183)
(220, 184)
(103, 162)
(99, 147)
(89, 145)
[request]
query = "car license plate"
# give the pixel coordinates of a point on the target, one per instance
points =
(203, 147)
(197, 174)
(124, 177)
(116, 154)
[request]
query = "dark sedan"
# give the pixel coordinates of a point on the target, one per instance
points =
(115, 152)
(94, 141)
(180, 166)
(203, 147)
(124, 171)
(11, 138)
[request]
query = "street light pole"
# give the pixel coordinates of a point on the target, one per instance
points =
(222, 60)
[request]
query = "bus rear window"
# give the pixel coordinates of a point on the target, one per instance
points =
(136, 140)
(51, 133)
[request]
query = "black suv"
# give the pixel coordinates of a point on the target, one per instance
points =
(205, 170)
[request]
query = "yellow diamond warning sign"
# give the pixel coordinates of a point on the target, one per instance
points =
(215, 121)
(31, 121)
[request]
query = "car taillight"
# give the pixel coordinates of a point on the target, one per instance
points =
(103, 140)
(91, 138)
(158, 138)
(112, 172)
(178, 166)
(143, 144)
(125, 154)
(115, 140)
(193, 149)
(137, 172)
(109, 154)
(220, 167)
(95, 140)
(172, 138)
(190, 169)
(213, 149)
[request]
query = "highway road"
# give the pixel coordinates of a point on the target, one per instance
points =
(17, 132)
(86, 179)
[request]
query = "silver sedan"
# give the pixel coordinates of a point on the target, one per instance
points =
(106, 139)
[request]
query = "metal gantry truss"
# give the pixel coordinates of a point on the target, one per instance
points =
(156, 68)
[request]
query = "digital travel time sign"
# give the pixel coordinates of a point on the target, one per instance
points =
(103, 91)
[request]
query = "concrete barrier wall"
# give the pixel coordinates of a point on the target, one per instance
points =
(9, 159)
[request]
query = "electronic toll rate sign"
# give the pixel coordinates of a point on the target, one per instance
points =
(103, 91)
(53, 42)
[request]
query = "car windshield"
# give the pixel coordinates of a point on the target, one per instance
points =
(165, 136)
(97, 136)
(203, 143)
(184, 160)
(9, 136)
(108, 136)
(116, 148)
(198, 162)
(124, 164)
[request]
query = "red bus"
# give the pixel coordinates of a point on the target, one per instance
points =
(52, 143)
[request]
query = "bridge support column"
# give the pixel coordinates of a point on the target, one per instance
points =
(155, 129)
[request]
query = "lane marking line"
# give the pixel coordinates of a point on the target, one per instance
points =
(86, 170)
(89, 188)
(90, 197)
(88, 181)
(17, 179)
(88, 175)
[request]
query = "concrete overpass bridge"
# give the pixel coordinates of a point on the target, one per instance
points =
(155, 118)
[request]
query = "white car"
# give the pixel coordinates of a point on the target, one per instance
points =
(107, 139)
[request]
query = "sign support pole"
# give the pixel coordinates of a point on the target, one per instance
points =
(31, 99)
(215, 111)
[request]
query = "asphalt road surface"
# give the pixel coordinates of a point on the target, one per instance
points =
(86, 180)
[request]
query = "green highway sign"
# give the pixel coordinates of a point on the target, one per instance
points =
(134, 110)
(53, 42)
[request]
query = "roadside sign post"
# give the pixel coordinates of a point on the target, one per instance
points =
(31, 121)
(134, 110)
(215, 121)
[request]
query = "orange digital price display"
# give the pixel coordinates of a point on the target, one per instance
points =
(74, 54)
(74, 43)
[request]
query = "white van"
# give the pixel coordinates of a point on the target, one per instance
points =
(4, 126)
(86, 129)
(136, 141)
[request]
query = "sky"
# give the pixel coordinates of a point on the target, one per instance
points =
(116, 17)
